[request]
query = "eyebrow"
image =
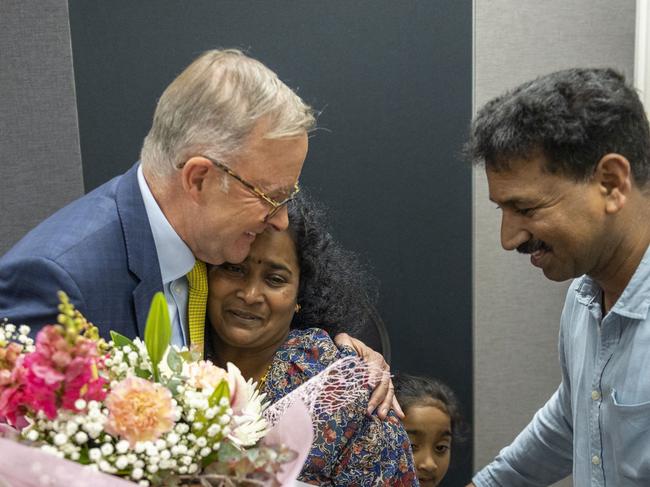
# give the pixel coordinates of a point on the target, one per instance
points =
(277, 266)
(513, 202)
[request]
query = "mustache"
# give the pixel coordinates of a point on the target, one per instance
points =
(531, 246)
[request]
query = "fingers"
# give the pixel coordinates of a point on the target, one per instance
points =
(378, 398)
(382, 398)
(397, 408)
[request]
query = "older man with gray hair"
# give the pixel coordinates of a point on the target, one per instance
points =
(222, 159)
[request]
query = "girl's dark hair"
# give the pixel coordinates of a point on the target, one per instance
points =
(336, 291)
(414, 390)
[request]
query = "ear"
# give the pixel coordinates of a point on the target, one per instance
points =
(613, 175)
(194, 176)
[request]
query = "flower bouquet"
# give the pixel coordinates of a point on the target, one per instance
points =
(144, 411)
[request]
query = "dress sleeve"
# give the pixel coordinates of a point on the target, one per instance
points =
(350, 449)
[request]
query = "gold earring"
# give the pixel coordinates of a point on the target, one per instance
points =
(298, 308)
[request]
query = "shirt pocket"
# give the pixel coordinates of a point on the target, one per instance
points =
(629, 428)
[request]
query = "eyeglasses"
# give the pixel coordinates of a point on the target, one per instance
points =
(275, 205)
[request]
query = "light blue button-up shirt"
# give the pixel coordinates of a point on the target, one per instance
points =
(598, 421)
(175, 260)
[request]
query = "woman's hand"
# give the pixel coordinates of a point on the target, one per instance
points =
(383, 397)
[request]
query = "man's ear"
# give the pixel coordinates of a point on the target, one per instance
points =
(194, 175)
(613, 175)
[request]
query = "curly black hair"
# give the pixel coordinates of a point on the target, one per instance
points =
(572, 117)
(413, 390)
(336, 291)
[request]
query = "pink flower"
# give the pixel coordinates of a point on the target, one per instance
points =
(204, 374)
(139, 410)
(54, 375)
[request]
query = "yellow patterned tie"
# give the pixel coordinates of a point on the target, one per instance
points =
(197, 282)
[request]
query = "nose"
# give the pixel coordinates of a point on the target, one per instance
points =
(512, 232)
(428, 464)
(279, 221)
(250, 292)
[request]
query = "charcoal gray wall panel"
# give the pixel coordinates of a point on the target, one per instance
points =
(40, 162)
(393, 81)
(516, 309)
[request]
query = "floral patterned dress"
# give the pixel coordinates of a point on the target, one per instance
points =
(351, 449)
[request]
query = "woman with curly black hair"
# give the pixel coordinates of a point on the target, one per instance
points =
(272, 316)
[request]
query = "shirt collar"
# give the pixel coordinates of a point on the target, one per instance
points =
(174, 256)
(634, 302)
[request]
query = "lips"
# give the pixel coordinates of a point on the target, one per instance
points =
(244, 315)
(426, 481)
(536, 257)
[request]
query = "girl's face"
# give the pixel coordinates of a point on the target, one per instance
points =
(429, 430)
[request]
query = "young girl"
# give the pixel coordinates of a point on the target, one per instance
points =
(433, 422)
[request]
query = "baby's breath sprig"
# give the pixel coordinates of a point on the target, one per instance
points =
(10, 333)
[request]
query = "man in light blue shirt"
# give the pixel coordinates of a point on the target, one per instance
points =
(567, 158)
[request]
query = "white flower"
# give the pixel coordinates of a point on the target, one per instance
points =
(94, 454)
(32, 435)
(137, 473)
(122, 446)
(213, 430)
(71, 428)
(107, 449)
(80, 438)
(60, 439)
(121, 462)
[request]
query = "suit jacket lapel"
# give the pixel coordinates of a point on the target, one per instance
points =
(140, 248)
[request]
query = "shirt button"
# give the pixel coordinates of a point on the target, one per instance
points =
(595, 395)
(595, 460)
(177, 289)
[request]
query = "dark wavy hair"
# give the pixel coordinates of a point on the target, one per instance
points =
(336, 291)
(413, 390)
(572, 117)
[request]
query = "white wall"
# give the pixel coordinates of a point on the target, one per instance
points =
(516, 309)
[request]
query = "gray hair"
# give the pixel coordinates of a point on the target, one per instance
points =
(212, 107)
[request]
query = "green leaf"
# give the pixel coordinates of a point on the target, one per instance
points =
(157, 332)
(142, 373)
(122, 341)
(173, 384)
(174, 361)
(222, 390)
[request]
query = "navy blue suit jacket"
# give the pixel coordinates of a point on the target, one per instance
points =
(98, 249)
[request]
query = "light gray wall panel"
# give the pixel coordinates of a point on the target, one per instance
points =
(516, 309)
(40, 161)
